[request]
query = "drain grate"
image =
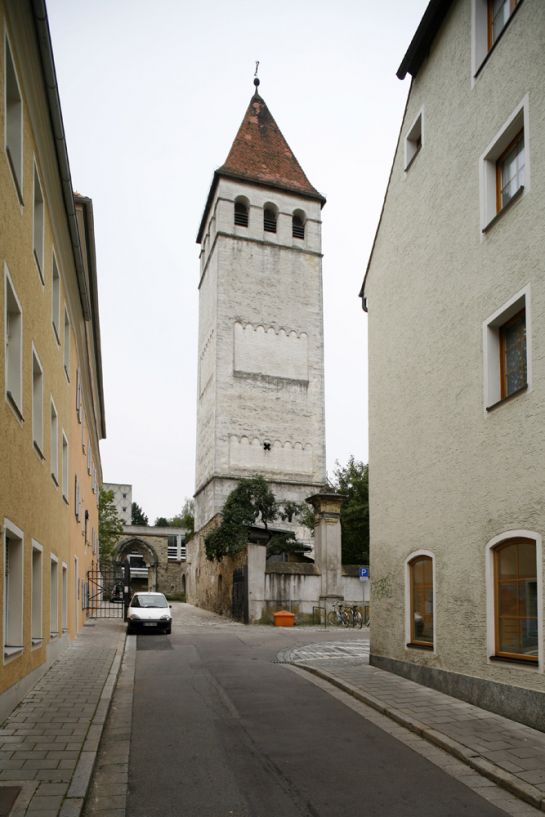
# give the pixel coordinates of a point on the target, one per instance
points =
(8, 796)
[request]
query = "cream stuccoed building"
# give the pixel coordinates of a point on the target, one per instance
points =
(260, 370)
(455, 295)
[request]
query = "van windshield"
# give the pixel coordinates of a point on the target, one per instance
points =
(149, 600)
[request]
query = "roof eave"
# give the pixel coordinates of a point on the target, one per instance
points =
(419, 47)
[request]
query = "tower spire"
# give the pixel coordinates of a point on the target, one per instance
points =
(256, 78)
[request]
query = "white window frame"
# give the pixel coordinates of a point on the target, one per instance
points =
(519, 120)
(65, 466)
(13, 120)
(408, 560)
(13, 348)
(37, 403)
(491, 595)
(54, 440)
(53, 596)
(36, 594)
(38, 222)
(414, 134)
(66, 339)
(13, 607)
(55, 298)
(491, 345)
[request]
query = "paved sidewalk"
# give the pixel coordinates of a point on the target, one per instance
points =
(508, 753)
(49, 743)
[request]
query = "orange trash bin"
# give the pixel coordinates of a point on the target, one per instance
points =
(284, 619)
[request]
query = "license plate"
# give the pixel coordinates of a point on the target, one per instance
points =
(150, 624)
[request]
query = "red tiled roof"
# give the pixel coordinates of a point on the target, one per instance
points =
(261, 154)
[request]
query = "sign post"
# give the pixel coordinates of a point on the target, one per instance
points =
(363, 573)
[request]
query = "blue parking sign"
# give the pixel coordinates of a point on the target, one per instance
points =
(363, 572)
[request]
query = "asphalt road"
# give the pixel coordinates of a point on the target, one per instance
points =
(219, 730)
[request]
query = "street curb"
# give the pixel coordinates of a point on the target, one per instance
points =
(75, 798)
(524, 791)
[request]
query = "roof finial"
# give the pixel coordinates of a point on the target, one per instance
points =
(256, 78)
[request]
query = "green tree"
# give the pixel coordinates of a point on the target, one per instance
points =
(110, 526)
(352, 480)
(251, 503)
(138, 517)
(185, 519)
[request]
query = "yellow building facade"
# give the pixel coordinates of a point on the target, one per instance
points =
(52, 411)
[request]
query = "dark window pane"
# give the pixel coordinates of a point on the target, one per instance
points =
(513, 348)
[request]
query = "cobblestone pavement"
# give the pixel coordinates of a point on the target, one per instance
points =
(508, 753)
(49, 743)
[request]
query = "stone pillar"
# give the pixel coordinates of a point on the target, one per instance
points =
(257, 557)
(327, 543)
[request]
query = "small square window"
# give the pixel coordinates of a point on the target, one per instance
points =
(413, 141)
(513, 366)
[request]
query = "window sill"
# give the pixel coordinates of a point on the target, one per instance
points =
(508, 398)
(12, 652)
(412, 159)
(56, 333)
(53, 635)
(38, 450)
(14, 177)
(516, 661)
(40, 267)
(504, 209)
(55, 480)
(36, 642)
(66, 499)
(413, 646)
(66, 372)
(15, 407)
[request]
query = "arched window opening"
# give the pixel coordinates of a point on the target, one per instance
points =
(515, 609)
(421, 588)
(269, 219)
(241, 213)
(298, 225)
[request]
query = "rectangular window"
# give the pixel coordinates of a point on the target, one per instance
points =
(56, 300)
(513, 354)
(507, 350)
(54, 598)
(38, 225)
(89, 457)
(413, 141)
(54, 443)
(77, 498)
(505, 168)
(36, 617)
(64, 467)
(64, 598)
(37, 404)
(13, 322)
(13, 107)
(515, 579)
(78, 395)
(510, 172)
(67, 344)
(13, 589)
(499, 12)
(421, 601)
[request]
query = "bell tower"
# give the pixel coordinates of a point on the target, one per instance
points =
(260, 406)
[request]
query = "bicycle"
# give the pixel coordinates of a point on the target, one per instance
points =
(354, 616)
(338, 616)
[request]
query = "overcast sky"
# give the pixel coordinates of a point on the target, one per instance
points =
(152, 96)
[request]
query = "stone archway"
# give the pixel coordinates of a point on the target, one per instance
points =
(134, 545)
